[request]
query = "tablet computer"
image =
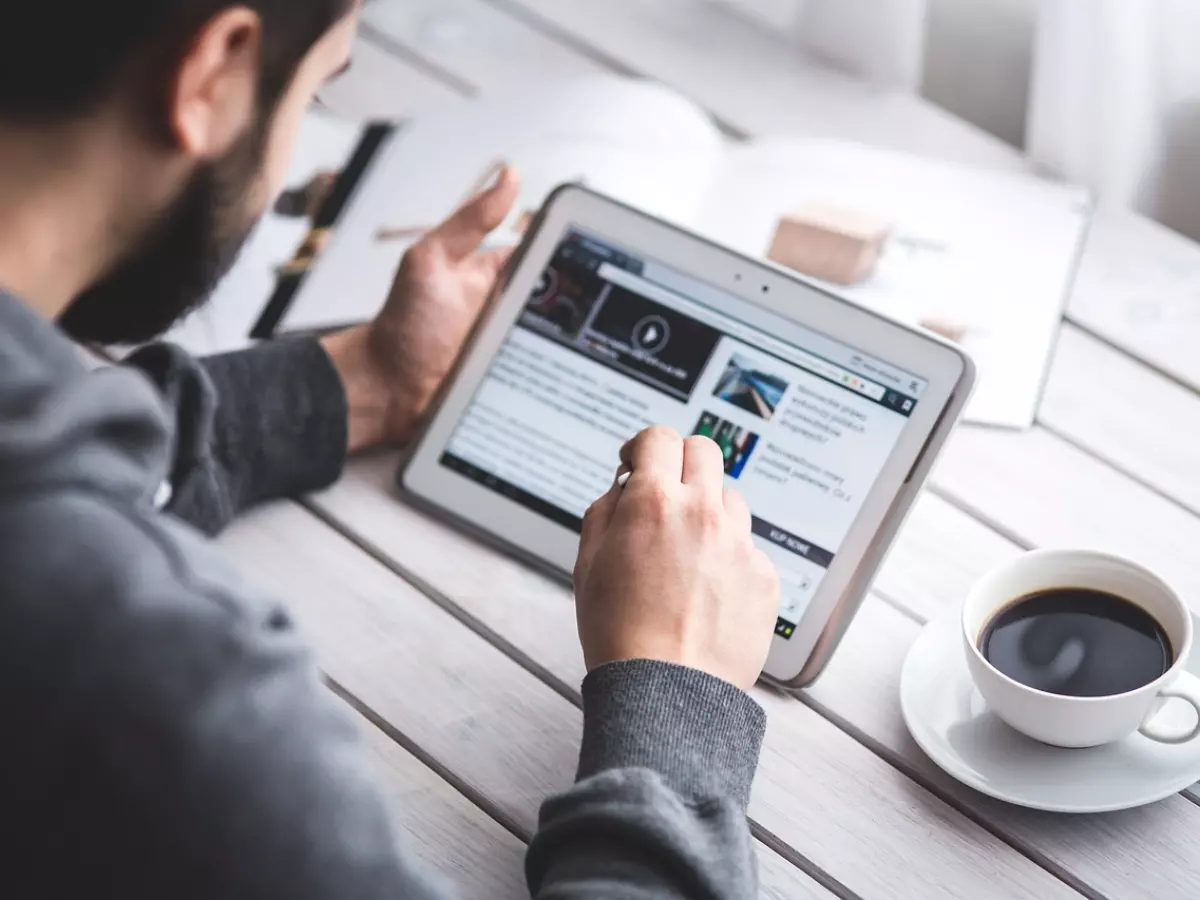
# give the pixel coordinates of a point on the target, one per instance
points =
(608, 321)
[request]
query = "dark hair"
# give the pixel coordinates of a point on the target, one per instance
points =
(60, 59)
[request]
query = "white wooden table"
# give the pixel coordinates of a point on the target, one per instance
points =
(464, 667)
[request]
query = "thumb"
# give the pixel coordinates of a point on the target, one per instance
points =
(462, 233)
(493, 261)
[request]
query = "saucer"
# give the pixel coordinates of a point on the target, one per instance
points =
(950, 721)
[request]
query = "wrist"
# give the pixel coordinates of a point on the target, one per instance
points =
(701, 734)
(369, 403)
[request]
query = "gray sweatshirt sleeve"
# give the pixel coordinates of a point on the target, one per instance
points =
(250, 426)
(659, 809)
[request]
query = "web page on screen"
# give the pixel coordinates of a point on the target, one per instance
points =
(610, 343)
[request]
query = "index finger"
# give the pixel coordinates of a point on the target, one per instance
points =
(703, 464)
(656, 452)
(462, 233)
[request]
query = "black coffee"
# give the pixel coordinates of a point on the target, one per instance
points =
(1077, 642)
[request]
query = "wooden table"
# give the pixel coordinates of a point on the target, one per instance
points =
(463, 666)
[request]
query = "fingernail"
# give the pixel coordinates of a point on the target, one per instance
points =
(623, 479)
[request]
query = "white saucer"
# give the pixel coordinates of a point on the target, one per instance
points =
(951, 723)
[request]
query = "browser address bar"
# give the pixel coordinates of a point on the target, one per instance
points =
(733, 328)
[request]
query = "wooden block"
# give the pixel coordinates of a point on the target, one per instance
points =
(830, 243)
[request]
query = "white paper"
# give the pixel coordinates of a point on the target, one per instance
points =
(635, 141)
(325, 144)
(995, 253)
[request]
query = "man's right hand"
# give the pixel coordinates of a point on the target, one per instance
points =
(667, 569)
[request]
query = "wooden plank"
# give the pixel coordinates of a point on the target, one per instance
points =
(1127, 414)
(1141, 854)
(850, 813)
(1043, 492)
(1147, 309)
(534, 614)
(938, 554)
(1139, 288)
(410, 662)
(379, 86)
(504, 735)
(477, 45)
(780, 880)
(442, 828)
(1046, 492)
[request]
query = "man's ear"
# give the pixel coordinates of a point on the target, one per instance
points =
(213, 95)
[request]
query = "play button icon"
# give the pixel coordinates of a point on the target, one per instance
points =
(651, 334)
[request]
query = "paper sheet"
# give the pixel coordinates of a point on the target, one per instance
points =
(633, 140)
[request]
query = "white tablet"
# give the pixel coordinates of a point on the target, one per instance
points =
(609, 321)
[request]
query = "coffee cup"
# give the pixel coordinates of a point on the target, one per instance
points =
(1067, 719)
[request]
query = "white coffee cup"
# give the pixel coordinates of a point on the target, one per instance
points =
(1082, 721)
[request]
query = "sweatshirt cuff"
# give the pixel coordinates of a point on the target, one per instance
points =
(701, 734)
(281, 418)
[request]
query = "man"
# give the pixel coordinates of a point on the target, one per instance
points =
(165, 734)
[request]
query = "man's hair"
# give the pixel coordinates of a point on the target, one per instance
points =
(60, 59)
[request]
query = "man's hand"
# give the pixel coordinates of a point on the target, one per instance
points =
(393, 367)
(667, 570)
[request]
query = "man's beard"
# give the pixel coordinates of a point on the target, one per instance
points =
(180, 258)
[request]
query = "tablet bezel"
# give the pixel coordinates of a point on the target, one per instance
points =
(947, 370)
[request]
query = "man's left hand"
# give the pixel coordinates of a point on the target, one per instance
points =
(393, 367)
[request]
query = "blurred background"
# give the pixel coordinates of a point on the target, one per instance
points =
(1104, 92)
(1100, 94)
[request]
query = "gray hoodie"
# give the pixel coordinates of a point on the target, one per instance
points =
(163, 730)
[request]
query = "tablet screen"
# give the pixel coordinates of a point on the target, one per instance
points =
(610, 343)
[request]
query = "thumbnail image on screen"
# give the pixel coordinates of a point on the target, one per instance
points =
(736, 443)
(661, 347)
(609, 343)
(564, 296)
(747, 387)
